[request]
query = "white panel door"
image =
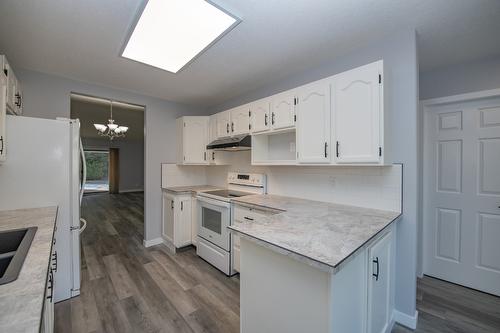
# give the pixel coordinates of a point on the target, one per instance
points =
(224, 124)
(260, 121)
(357, 111)
(240, 120)
(283, 110)
(195, 137)
(462, 194)
(313, 123)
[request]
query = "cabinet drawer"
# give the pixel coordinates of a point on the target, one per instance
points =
(242, 214)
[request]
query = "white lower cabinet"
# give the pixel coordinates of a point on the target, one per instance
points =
(177, 221)
(358, 298)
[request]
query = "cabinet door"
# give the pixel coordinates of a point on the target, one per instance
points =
(357, 110)
(260, 121)
(195, 136)
(182, 222)
(313, 123)
(3, 111)
(194, 221)
(240, 120)
(223, 124)
(168, 217)
(11, 88)
(379, 285)
(212, 128)
(283, 110)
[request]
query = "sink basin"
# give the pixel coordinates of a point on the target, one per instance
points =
(14, 246)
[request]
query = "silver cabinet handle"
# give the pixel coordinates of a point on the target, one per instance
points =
(248, 218)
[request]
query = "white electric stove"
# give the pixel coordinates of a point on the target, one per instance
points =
(214, 216)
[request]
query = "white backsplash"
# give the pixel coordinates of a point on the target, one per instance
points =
(182, 175)
(366, 186)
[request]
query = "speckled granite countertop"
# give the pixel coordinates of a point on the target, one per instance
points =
(320, 234)
(21, 301)
(190, 189)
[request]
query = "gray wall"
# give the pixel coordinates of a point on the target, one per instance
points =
(399, 53)
(131, 165)
(48, 96)
(460, 79)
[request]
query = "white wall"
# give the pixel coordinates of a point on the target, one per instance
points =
(399, 53)
(460, 79)
(131, 164)
(48, 96)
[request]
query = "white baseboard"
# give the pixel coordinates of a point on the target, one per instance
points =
(132, 190)
(152, 242)
(406, 320)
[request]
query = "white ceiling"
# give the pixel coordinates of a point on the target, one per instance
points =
(82, 40)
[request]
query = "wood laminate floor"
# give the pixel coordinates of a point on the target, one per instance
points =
(128, 288)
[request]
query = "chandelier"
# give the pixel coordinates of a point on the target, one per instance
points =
(111, 130)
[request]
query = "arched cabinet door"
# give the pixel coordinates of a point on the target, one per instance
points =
(283, 110)
(357, 108)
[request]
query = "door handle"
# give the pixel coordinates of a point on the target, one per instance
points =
(338, 144)
(272, 118)
(265, 119)
(227, 127)
(375, 275)
(232, 127)
(326, 148)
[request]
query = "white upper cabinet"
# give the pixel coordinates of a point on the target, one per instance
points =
(224, 124)
(260, 120)
(240, 120)
(313, 123)
(283, 110)
(14, 98)
(193, 137)
(357, 109)
(212, 128)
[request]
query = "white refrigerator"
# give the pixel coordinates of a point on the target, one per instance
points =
(44, 168)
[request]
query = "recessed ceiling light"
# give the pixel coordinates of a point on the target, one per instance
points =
(171, 33)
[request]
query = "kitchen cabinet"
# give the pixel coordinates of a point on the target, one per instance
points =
(260, 120)
(192, 135)
(215, 157)
(177, 220)
(14, 97)
(224, 124)
(357, 110)
(240, 120)
(283, 110)
(379, 281)
(3, 116)
(313, 124)
(243, 214)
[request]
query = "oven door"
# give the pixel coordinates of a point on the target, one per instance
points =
(213, 220)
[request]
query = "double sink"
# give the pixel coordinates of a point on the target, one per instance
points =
(14, 246)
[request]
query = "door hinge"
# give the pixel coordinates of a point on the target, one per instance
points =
(379, 78)
(379, 151)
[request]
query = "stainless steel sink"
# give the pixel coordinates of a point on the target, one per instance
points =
(14, 246)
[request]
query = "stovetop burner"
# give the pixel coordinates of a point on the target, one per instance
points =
(227, 193)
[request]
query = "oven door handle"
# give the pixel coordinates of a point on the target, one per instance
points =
(213, 202)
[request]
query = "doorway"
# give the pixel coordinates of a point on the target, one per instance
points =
(97, 162)
(461, 229)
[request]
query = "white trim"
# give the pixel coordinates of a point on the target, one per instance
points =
(152, 242)
(462, 97)
(132, 190)
(405, 320)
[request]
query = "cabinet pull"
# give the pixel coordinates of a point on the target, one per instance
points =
(272, 118)
(182, 205)
(338, 149)
(375, 275)
(248, 218)
(326, 148)
(172, 204)
(54, 259)
(1, 149)
(265, 119)
(232, 127)
(213, 156)
(227, 127)
(205, 156)
(51, 285)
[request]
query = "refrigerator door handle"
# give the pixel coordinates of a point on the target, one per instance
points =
(84, 171)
